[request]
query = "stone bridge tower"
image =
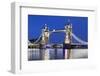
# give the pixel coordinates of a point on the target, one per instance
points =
(45, 35)
(68, 31)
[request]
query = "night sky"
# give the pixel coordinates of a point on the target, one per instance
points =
(37, 22)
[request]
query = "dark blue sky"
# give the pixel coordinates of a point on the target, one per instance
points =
(37, 22)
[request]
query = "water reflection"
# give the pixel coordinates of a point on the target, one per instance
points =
(51, 54)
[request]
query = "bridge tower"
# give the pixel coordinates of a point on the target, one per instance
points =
(45, 35)
(44, 41)
(68, 39)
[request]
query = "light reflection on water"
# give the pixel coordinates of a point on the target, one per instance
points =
(35, 54)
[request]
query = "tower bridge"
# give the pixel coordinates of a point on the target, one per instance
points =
(42, 41)
(46, 34)
(44, 37)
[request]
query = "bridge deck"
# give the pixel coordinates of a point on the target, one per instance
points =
(63, 46)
